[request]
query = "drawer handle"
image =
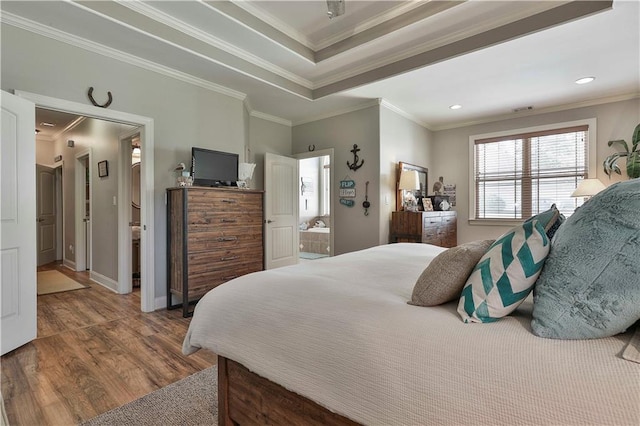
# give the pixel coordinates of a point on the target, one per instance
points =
(227, 239)
(230, 277)
(228, 221)
(230, 201)
(229, 258)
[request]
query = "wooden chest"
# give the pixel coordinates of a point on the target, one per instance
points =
(437, 228)
(213, 236)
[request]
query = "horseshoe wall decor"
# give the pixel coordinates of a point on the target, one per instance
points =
(93, 101)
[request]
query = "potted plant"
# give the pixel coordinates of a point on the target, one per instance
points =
(633, 156)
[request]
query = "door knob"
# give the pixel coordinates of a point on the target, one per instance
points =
(39, 220)
(269, 221)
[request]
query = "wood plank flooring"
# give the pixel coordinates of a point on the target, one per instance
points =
(95, 351)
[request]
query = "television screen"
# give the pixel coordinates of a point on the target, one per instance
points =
(213, 168)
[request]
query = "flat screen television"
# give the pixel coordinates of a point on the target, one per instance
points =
(213, 168)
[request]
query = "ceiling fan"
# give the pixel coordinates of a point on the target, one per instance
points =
(335, 8)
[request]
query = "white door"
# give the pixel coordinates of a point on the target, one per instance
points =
(18, 214)
(281, 211)
(46, 214)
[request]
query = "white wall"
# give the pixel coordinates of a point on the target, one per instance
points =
(184, 115)
(451, 151)
(353, 230)
(400, 140)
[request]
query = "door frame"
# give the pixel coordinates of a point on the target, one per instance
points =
(315, 154)
(125, 252)
(147, 210)
(80, 249)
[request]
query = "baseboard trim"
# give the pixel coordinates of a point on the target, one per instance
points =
(160, 303)
(104, 281)
(69, 264)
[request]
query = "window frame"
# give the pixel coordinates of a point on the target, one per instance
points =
(591, 161)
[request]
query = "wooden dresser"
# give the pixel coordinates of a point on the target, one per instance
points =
(437, 228)
(213, 236)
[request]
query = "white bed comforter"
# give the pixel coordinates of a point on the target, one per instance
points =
(339, 332)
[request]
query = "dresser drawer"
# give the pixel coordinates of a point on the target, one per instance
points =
(224, 201)
(227, 238)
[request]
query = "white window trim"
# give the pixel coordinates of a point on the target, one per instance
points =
(591, 155)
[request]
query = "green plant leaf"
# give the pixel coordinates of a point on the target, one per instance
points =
(635, 139)
(621, 142)
(633, 165)
(610, 165)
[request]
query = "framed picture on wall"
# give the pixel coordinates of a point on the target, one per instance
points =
(103, 168)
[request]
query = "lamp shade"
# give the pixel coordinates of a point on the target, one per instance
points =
(409, 180)
(588, 188)
(245, 170)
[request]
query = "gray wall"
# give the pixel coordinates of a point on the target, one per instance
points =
(184, 115)
(266, 136)
(353, 230)
(451, 151)
(400, 140)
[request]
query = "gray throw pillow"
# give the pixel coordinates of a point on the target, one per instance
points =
(590, 285)
(443, 279)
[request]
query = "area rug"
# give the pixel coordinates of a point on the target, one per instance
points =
(56, 282)
(190, 401)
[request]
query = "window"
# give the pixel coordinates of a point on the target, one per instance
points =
(524, 173)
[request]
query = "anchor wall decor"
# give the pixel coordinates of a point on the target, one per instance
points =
(355, 166)
(93, 101)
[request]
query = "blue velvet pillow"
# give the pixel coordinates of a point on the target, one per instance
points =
(590, 285)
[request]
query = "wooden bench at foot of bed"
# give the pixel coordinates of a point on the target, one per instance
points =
(244, 398)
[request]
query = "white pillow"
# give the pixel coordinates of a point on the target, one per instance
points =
(505, 275)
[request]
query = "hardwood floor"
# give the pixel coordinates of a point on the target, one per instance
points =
(95, 351)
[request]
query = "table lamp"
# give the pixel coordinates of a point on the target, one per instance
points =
(588, 188)
(409, 181)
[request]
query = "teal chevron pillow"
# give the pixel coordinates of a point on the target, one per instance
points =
(549, 219)
(505, 275)
(590, 285)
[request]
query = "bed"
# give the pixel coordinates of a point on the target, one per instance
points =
(334, 341)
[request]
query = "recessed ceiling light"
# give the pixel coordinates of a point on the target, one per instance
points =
(456, 106)
(585, 80)
(45, 124)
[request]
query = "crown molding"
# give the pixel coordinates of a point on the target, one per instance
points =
(451, 37)
(75, 123)
(58, 35)
(557, 108)
(374, 21)
(367, 104)
(161, 17)
(269, 117)
(275, 23)
(388, 105)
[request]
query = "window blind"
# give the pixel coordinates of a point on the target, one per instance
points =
(520, 175)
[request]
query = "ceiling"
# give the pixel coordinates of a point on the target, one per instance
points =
(289, 62)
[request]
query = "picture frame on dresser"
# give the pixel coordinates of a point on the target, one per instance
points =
(419, 194)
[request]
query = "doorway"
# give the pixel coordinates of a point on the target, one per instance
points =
(145, 126)
(315, 216)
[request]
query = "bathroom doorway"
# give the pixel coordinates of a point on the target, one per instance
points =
(315, 218)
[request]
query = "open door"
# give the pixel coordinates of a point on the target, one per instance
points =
(281, 211)
(46, 214)
(18, 214)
